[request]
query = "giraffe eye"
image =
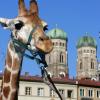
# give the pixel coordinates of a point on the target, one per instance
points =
(45, 28)
(19, 25)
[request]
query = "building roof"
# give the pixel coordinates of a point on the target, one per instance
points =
(86, 41)
(90, 83)
(57, 33)
(82, 82)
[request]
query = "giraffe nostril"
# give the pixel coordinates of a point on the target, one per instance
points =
(41, 39)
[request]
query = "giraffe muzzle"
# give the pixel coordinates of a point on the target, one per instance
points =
(44, 44)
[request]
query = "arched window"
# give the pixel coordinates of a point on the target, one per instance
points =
(60, 43)
(81, 64)
(99, 77)
(61, 58)
(84, 51)
(92, 64)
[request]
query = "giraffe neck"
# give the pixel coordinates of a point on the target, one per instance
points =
(11, 73)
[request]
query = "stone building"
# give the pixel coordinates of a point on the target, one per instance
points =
(57, 60)
(33, 88)
(86, 57)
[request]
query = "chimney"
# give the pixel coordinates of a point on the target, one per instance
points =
(26, 73)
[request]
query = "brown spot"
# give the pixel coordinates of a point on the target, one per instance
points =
(6, 91)
(14, 81)
(1, 97)
(7, 76)
(16, 64)
(14, 96)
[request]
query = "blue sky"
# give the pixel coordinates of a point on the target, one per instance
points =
(75, 17)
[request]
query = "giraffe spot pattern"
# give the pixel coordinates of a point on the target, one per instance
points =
(6, 91)
(7, 75)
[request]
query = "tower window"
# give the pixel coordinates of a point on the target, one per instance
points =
(84, 51)
(60, 44)
(93, 52)
(80, 64)
(92, 64)
(87, 51)
(99, 77)
(56, 43)
(61, 58)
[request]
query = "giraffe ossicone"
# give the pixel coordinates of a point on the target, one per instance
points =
(21, 27)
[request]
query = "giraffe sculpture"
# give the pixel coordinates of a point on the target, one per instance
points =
(27, 22)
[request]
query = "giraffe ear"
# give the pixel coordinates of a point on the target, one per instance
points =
(33, 7)
(4, 25)
(22, 9)
(4, 22)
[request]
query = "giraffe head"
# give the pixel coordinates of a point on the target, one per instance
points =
(28, 22)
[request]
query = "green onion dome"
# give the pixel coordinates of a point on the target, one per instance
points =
(57, 34)
(86, 41)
